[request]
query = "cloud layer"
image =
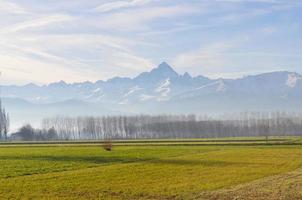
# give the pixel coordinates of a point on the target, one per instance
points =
(45, 41)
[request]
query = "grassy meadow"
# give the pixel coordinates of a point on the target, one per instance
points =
(142, 170)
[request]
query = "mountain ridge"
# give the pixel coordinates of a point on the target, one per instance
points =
(162, 90)
(160, 66)
(149, 83)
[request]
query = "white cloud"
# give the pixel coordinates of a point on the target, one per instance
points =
(237, 57)
(248, 14)
(269, 30)
(23, 69)
(123, 38)
(12, 8)
(115, 5)
(209, 59)
(139, 18)
(206, 56)
(93, 56)
(250, 1)
(236, 13)
(38, 22)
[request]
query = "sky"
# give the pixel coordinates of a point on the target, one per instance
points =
(48, 41)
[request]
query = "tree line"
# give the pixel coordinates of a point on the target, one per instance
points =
(175, 126)
(28, 133)
(4, 123)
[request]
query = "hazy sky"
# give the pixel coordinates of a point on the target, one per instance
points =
(43, 41)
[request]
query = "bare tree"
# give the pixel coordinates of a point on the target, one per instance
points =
(4, 123)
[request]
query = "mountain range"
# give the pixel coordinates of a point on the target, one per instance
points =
(161, 90)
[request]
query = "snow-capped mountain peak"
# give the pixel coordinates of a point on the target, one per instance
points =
(163, 85)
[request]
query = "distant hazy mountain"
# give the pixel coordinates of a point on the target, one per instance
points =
(162, 90)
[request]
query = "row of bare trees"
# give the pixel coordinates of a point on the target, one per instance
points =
(175, 126)
(4, 123)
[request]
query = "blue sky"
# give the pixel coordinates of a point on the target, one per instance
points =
(47, 41)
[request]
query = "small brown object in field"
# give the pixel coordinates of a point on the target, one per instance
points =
(107, 145)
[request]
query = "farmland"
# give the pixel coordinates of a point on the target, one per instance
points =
(154, 169)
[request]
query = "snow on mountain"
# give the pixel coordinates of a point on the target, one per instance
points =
(96, 90)
(212, 87)
(293, 79)
(163, 89)
(132, 90)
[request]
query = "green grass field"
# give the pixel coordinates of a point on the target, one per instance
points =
(144, 170)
